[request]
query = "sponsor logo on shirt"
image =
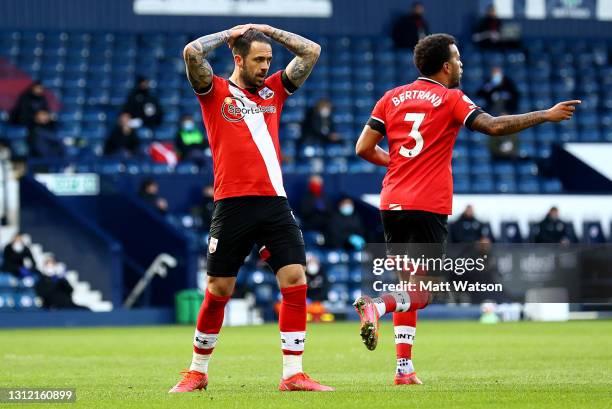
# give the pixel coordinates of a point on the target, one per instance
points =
(234, 109)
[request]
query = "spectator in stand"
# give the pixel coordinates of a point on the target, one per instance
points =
(317, 279)
(43, 140)
(123, 140)
(487, 33)
(191, 143)
(409, 28)
(467, 229)
(552, 229)
(149, 192)
(318, 127)
(53, 287)
(499, 93)
(143, 105)
(18, 259)
(501, 98)
(31, 101)
(315, 208)
(204, 209)
(345, 228)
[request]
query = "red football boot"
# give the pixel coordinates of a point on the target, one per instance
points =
(192, 381)
(407, 379)
(369, 321)
(302, 382)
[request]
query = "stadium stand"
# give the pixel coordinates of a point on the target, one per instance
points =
(92, 73)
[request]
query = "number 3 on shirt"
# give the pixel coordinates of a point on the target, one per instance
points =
(416, 120)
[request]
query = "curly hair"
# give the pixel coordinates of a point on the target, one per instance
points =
(242, 45)
(432, 52)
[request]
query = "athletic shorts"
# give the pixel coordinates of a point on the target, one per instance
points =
(238, 223)
(405, 227)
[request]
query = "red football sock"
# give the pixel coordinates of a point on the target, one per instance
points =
(210, 319)
(292, 319)
(404, 324)
(390, 302)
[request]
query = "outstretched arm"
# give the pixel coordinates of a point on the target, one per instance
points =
(199, 71)
(306, 52)
(509, 124)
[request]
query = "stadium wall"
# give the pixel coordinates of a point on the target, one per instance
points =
(133, 224)
(350, 17)
(74, 239)
(530, 208)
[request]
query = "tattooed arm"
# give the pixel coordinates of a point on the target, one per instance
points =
(509, 124)
(199, 71)
(307, 52)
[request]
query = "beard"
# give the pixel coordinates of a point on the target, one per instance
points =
(455, 81)
(251, 80)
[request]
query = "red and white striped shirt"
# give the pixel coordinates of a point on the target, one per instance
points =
(242, 127)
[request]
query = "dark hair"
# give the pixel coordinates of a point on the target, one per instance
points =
(242, 45)
(432, 52)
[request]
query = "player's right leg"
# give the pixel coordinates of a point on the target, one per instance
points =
(401, 228)
(208, 326)
(231, 238)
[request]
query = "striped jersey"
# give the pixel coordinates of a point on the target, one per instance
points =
(243, 127)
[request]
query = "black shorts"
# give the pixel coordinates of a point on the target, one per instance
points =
(238, 223)
(404, 227)
(414, 226)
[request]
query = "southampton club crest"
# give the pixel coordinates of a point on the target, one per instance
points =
(266, 93)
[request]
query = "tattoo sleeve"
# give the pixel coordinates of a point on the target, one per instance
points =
(507, 124)
(307, 53)
(199, 71)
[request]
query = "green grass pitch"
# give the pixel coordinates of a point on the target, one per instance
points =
(463, 364)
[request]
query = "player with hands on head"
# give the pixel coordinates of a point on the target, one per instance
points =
(242, 117)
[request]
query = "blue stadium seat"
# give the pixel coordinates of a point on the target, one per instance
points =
(338, 273)
(338, 293)
(7, 300)
(592, 232)
(15, 132)
(511, 233)
(482, 185)
(506, 186)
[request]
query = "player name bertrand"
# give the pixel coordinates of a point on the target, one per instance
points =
(410, 95)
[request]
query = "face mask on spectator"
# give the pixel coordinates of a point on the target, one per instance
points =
(18, 246)
(325, 112)
(347, 209)
(49, 270)
(188, 125)
(496, 79)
